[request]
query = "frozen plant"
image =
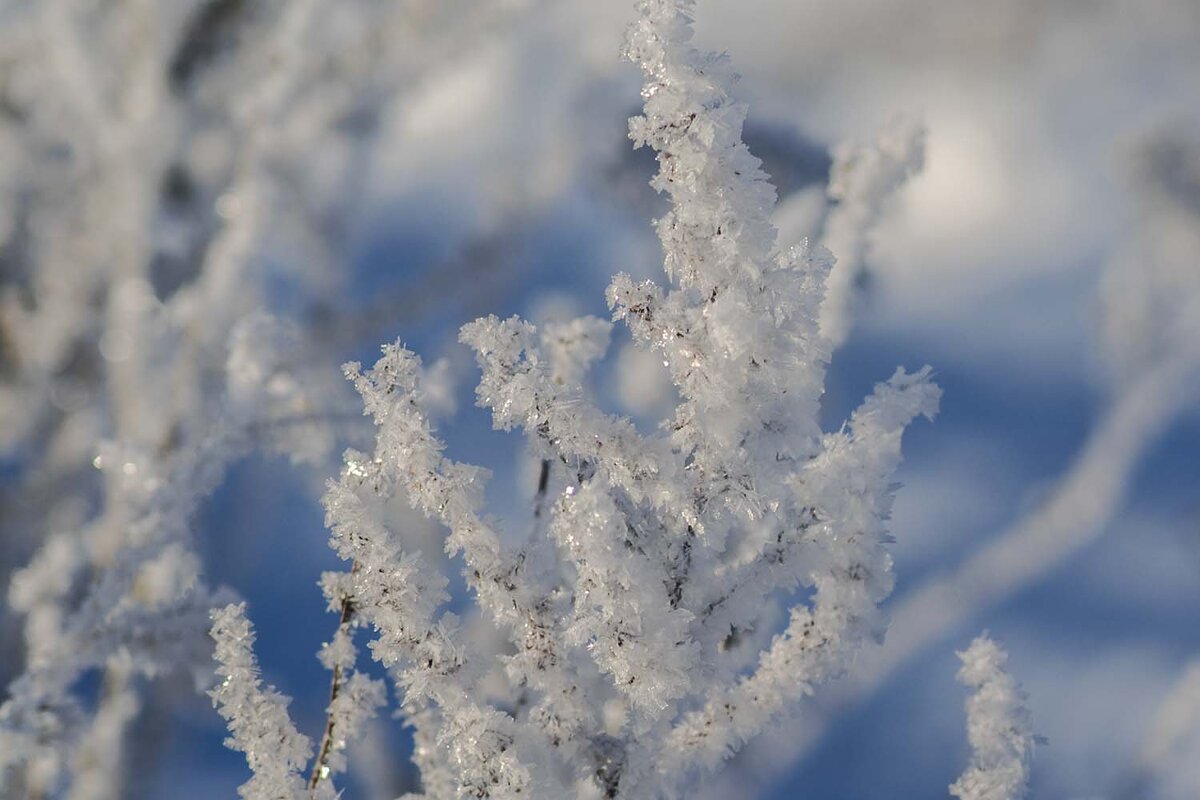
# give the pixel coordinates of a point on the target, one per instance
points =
(640, 651)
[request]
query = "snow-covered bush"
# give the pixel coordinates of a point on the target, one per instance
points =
(637, 610)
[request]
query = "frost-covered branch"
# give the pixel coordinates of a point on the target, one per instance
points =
(353, 697)
(257, 717)
(145, 606)
(998, 727)
(392, 589)
(101, 762)
(863, 179)
(852, 573)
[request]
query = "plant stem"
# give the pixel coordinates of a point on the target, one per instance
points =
(320, 770)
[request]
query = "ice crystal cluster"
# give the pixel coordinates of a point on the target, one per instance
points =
(638, 611)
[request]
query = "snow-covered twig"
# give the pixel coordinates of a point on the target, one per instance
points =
(258, 720)
(998, 727)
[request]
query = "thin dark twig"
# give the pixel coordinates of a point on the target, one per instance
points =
(320, 769)
(539, 500)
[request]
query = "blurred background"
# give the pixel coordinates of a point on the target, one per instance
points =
(388, 171)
